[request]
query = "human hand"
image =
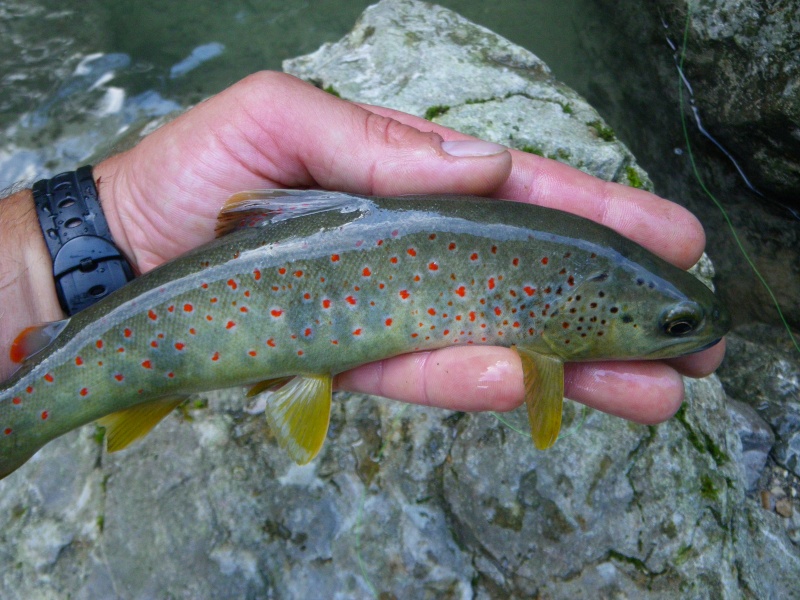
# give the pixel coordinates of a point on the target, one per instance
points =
(162, 198)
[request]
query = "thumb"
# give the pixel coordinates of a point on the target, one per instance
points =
(338, 145)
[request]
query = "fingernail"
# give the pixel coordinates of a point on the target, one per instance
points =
(472, 148)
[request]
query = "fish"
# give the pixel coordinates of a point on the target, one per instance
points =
(301, 285)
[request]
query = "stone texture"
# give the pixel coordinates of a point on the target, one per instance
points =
(743, 58)
(408, 502)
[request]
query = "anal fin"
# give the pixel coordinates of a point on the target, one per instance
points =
(126, 426)
(299, 413)
(544, 395)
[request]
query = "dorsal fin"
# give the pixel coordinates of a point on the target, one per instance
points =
(256, 208)
(34, 339)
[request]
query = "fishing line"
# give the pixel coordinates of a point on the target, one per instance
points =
(708, 193)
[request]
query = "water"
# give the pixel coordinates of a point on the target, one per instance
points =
(103, 66)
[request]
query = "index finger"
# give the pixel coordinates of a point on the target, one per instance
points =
(665, 228)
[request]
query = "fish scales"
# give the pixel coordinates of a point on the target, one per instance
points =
(342, 281)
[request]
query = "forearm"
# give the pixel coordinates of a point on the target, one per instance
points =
(27, 291)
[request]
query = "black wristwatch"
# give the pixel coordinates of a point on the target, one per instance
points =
(87, 266)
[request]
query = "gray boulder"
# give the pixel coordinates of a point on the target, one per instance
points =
(405, 501)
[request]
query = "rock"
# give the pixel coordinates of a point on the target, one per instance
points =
(743, 58)
(756, 437)
(405, 501)
(493, 89)
(762, 369)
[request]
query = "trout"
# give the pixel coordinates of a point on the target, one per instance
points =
(302, 285)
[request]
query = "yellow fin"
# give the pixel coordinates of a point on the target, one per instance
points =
(299, 414)
(126, 426)
(268, 385)
(544, 395)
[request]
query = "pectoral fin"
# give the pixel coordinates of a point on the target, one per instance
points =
(299, 413)
(544, 395)
(126, 426)
(268, 385)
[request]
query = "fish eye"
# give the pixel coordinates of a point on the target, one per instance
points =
(681, 320)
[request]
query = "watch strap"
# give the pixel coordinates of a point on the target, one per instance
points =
(87, 266)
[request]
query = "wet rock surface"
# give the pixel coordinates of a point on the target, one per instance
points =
(411, 502)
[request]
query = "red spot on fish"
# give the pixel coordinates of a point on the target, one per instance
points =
(282, 271)
(230, 325)
(253, 353)
(334, 258)
(306, 296)
(461, 291)
(515, 262)
(545, 260)
(497, 311)
(78, 361)
(571, 280)
(298, 273)
(154, 344)
(381, 286)
(404, 294)
(307, 332)
(99, 344)
(491, 283)
(395, 233)
(243, 309)
(146, 364)
(416, 277)
(7, 431)
(357, 331)
(366, 272)
(127, 333)
(433, 266)
(452, 246)
(326, 303)
(256, 274)
(84, 392)
(16, 400)
(413, 335)
(431, 311)
(432, 236)
(48, 378)
(215, 356)
(153, 316)
(565, 325)
(472, 315)
(494, 249)
(232, 284)
(45, 414)
(271, 343)
(171, 375)
(473, 256)
(209, 318)
(119, 377)
(335, 342)
(530, 291)
(188, 307)
(179, 345)
(380, 242)
(29, 389)
(171, 308)
(276, 312)
(351, 300)
(192, 331)
(446, 332)
(214, 300)
(388, 322)
(411, 252)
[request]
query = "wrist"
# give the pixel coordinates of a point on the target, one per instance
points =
(27, 291)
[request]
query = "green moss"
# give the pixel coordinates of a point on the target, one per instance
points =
(101, 522)
(701, 441)
(707, 488)
(331, 90)
(635, 562)
(532, 150)
(436, 111)
(567, 108)
(684, 553)
(99, 434)
(604, 132)
(633, 178)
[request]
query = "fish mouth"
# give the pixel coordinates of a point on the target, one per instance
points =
(706, 347)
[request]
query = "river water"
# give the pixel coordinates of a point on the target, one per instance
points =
(74, 74)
